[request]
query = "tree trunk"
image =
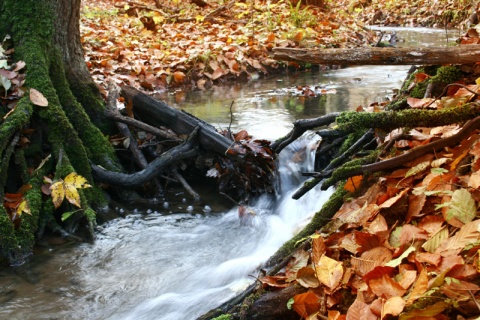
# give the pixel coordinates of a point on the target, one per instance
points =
(45, 35)
(381, 56)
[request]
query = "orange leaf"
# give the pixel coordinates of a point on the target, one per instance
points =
(305, 304)
(179, 76)
(271, 38)
(38, 98)
(353, 183)
(420, 77)
(298, 36)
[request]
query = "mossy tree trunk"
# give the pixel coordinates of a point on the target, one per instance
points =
(45, 34)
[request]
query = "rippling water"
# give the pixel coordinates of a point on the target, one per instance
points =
(158, 266)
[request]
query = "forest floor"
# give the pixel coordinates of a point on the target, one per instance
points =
(182, 44)
(407, 246)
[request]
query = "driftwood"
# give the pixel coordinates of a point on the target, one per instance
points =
(381, 56)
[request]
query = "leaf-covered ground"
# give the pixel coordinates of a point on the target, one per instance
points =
(407, 246)
(155, 45)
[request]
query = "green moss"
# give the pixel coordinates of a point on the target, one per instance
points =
(223, 317)
(447, 74)
(351, 121)
(419, 90)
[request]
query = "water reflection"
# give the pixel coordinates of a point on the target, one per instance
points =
(267, 107)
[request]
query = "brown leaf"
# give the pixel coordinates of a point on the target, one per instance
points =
(385, 287)
(390, 202)
(429, 311)
(419, 288)
(275, 281)
(299, 260)
(393, 306)
(307, 278)
(37, 98)
(318, 249)
(360, 310)
(370, 259)
(467, 234)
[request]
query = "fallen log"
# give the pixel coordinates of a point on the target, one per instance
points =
(158, 113)
(381, 56)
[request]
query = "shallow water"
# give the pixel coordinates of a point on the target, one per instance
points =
(160, 266)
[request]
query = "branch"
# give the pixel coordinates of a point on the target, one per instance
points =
(299, 128)
(186, 150)
(402, 159)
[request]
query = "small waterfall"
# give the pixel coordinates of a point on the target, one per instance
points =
(228, 252)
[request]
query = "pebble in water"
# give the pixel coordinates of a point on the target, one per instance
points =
(207, 209)
(190, 208)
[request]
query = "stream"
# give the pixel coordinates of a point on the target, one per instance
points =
(153, 264)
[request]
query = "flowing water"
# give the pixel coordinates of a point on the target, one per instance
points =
(155, 265)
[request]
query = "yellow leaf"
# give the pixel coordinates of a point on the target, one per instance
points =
(329, 272)
(77, 181)
(477, 81)
(72, 195)
(23, 207)
(58, 193)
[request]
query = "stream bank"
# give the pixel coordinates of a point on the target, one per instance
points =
(126, 272)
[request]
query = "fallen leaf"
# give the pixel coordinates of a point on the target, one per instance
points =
(305, 304)
(37, 98)
(429, 311)
(307, 278)
(329, 272)
(386, 287)
(393, 306)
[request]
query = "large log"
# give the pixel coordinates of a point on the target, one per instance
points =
(382, 56)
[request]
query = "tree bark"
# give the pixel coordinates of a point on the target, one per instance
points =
(45, 35)
(381, 56)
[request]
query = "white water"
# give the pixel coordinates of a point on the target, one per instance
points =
(179, 266)
(162, 267)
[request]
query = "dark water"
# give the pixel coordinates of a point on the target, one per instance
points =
(157, 266)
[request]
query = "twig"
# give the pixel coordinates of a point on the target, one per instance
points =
(185, 185)
(165, 134)
(445, 91)
(231, 120)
